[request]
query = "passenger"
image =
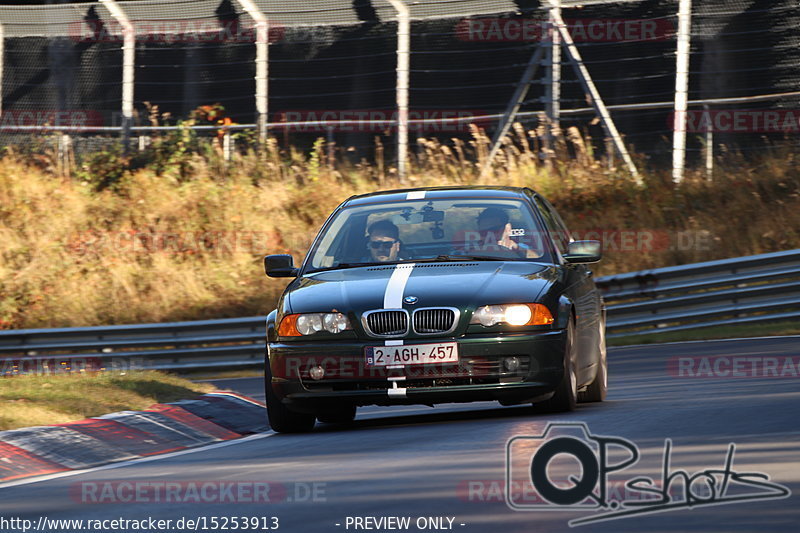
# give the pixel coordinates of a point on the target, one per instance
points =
(494, 230)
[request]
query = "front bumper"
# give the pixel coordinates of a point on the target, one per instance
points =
(479, 375)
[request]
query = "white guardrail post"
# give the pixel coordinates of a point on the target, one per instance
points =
(128, 65)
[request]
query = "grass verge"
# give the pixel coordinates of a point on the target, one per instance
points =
(176, 233)
(215, 374)
(719, 332)
(35, 400)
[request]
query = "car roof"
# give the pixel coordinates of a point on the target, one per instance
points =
(434, 193)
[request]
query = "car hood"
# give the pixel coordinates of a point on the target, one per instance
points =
(464, 285)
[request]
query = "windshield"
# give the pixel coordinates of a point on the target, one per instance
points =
(430, 230)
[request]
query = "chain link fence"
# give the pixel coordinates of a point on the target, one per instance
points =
(88, 74)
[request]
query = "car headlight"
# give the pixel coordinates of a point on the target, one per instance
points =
(513, 315)
(309, 323)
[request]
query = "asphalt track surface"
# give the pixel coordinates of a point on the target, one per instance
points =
(421, 462)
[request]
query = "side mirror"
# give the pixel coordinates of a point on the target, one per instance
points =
(584, 252)
(280, 266)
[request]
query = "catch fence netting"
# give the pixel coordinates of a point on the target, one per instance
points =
(335, 61)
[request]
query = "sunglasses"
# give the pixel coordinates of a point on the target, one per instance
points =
(381, 244)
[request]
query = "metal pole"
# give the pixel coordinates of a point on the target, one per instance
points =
(681, 90)
(597, 101)
(403, 65)
(128, 66)
(262, 65)
(2, 65)
(330, 141)
(513, 106)
(709, 146)
(227, 145)
(553, 96)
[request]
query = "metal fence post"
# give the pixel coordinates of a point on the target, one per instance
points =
(2, 65)
(403, 65)
(553, 95)
(227, 145)
(594, 95)
(262, 66)
(681, 90)
(514, 104)
(709, 145)
(128, 65)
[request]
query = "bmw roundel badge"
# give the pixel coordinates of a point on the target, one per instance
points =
(410, 300)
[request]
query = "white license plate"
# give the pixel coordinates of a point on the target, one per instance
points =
(412, 354)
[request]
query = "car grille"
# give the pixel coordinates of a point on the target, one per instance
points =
(394, 322)
(387, 323)
(428, 321)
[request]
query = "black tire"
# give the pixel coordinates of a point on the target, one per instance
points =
(565, 397)
(281, 418)
(344, 415)
(596, 392)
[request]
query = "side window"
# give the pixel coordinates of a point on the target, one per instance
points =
(555, 226)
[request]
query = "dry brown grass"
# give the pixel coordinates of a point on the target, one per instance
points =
(68, 258)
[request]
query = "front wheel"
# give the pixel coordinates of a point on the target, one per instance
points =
(281, 418)
(596, 392)
(565, 397)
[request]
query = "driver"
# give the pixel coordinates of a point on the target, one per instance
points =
(383, 241)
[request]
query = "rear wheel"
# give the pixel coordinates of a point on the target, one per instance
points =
(281, 418)
(343, 415)
(596, 392)
(565, 397)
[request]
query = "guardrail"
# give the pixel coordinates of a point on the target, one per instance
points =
(743, 290)
(230, 343)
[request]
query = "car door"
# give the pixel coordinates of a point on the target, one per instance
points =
(580, 289)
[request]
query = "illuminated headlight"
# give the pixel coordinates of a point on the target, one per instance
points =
(513, 315)
(310, 323)
(518, 315)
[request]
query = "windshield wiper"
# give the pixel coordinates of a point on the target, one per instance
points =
(460, 258)
(344, 265)
(424, 260)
